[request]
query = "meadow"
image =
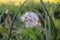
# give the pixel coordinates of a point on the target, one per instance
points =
(12, 27)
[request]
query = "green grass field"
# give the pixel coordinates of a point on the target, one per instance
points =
(19, 31)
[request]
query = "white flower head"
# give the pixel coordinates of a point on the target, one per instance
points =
(30, 18)
(7, 11)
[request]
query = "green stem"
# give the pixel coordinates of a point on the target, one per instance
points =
(19, 8)
(46, 12)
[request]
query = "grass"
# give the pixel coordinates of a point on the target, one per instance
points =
(29, 33)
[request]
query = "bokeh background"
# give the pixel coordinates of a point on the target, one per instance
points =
(19, 32)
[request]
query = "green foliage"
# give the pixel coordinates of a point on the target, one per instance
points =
(29, 33)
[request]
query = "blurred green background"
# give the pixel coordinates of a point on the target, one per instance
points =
(23, 33)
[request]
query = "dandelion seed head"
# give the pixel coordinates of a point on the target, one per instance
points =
(31, 19)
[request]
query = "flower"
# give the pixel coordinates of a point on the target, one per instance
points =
(30, 18)
(7, 11)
